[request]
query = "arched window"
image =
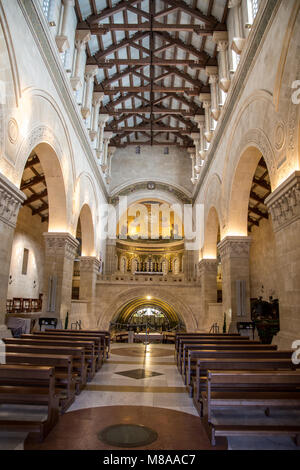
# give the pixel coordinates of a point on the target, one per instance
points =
(252, 10)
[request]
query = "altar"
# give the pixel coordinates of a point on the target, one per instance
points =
(149, 337)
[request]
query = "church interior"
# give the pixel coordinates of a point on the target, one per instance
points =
(150, 225)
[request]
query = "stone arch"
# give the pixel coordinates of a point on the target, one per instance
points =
(85, 207)
(183, 311)
(87, 231)
(57, 198)
(212, 225)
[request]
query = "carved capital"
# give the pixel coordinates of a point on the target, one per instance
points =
(61, 245)
(284, 202)
(207, 266)
(11, 199)
(234, 247)
(89, 264)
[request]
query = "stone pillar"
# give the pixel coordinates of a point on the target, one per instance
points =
(191, 151)
(89, 268)
(97, 98)
(106, 138)
(11, 199)
(103, 118)
(81, 39)
(111, 151)
(198, 162)
(200, 119)
(284, 206)
(238, 40)
(221, 39)
(62, 40)
(207, 269)
(111, 260)
(213, 75)
(90, 72)
(60, 252)
(206, 102)
(234, 252)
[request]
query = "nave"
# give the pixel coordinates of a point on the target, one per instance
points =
(143, 387)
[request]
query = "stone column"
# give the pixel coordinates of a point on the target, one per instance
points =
(81, 39)
(207, 269)
(89, 268)
(106, 138)
(221, 39)
(191, 151)
(238, 41)
(206, 102)
(234, 252)
(111, 259)
(90, 72)
(60, 252)
(198, 161)
(213, 75)
(97, 98)
(200, 119)
(284, 206)
(62, 40)
(11, 199)
(111, 151)
(103, 118)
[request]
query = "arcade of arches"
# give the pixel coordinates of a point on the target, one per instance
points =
(85, 124)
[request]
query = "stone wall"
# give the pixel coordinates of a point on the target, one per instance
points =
(29, 235)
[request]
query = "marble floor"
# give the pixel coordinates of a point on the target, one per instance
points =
(144, 386)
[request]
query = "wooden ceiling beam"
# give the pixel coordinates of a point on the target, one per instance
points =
(201, 55)
(107, 12)
(148, 128)
(155, 89)
(109, 63)
(101, 29)
(116, 47)
(40, 209)
(32, 162)
(258, 212)
(35, 197)
(193, 12)
(262, 183)
(32, 182)
(147, 110)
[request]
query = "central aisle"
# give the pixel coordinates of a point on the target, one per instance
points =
(132, 387)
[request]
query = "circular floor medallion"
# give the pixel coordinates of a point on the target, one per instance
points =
(127, 435)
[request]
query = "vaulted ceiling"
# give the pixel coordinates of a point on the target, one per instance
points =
(152, 56)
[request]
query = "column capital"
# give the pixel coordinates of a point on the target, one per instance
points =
(70, 3)
(97, 97)
(206, 265)
(284, 202)
(220, 37)
(111, 150)
(234, 247)
(90, 70)
(11, 199)
(103, 118)
(89, 264)
(107, 135)
(82, 36)
(199, 119)
(61, 244)
(205, 98)
(212, 71)
(195, 136)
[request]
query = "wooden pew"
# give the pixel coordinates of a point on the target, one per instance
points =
(205, 364)
(64, 379)
(98, 342)
(121, 337)
(264, 389)
(201, 341)
(198, 354)
(79, 363)
(89, 347)
(18, 386)
(249, 346)
(206, 335)
(100, 333)
(208, 338)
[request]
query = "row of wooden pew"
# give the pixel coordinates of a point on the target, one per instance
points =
(223, 371)
(48, 369)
